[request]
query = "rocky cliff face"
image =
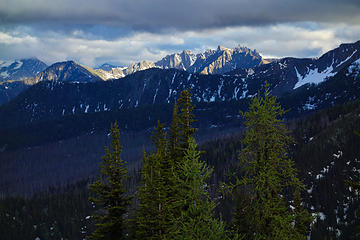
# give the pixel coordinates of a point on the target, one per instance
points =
(181, 61)
(217, 61)
(224, 60)
(113, 73)
(135, 67)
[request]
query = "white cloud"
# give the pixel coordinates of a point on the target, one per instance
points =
(298, 40)
(8, 39)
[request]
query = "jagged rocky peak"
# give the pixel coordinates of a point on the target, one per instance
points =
(218, 61)
(224, 59)
(68, 71)
(208, 52)
(108, 71)
(222, 48)
(139, 66)
(180, 61)
(113, 73)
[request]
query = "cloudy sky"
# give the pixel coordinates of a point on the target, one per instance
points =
(124, 31)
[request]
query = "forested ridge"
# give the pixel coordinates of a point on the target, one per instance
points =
(325, 151)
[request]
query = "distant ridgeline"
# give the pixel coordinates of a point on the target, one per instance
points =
(247, 68)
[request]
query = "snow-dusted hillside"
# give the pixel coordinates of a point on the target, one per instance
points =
(20, 69)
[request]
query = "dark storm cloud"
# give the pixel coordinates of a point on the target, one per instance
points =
(126, 31)
(154, 15)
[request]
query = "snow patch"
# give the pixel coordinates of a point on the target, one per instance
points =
(19, 64)
(322, 216)
(282, 65)
(172, 81)
(244, 94)
(170, 91)
(354, 68)
(313, 76)
(4, 74)
(319, 176)
(338, 154)
(155, 95)
(250, 72)
(5, 64)
(189, 77)
(220, 87)
(236, 90)
(309, 105)
(347, 58)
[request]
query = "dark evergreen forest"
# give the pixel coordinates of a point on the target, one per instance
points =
(326, 152)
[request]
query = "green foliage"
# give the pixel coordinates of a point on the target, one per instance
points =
(269, 174)
(110, 193)
(174, 134)
(173, 200)
(153, 214)
(185, 118)
(196, 220)
(159, 191)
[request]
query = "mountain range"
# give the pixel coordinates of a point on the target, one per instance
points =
(16, 76)
(68, 88)
(241, 62)
(55, 118)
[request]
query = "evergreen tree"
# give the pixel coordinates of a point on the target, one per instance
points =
(181, 131)
(146, 212)
(196, 221)
(109, 192)
(153, 215)
(269, 174)
(303, 218)
(160, 199)
(240, 225)
(174, 133)
(185, 119)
